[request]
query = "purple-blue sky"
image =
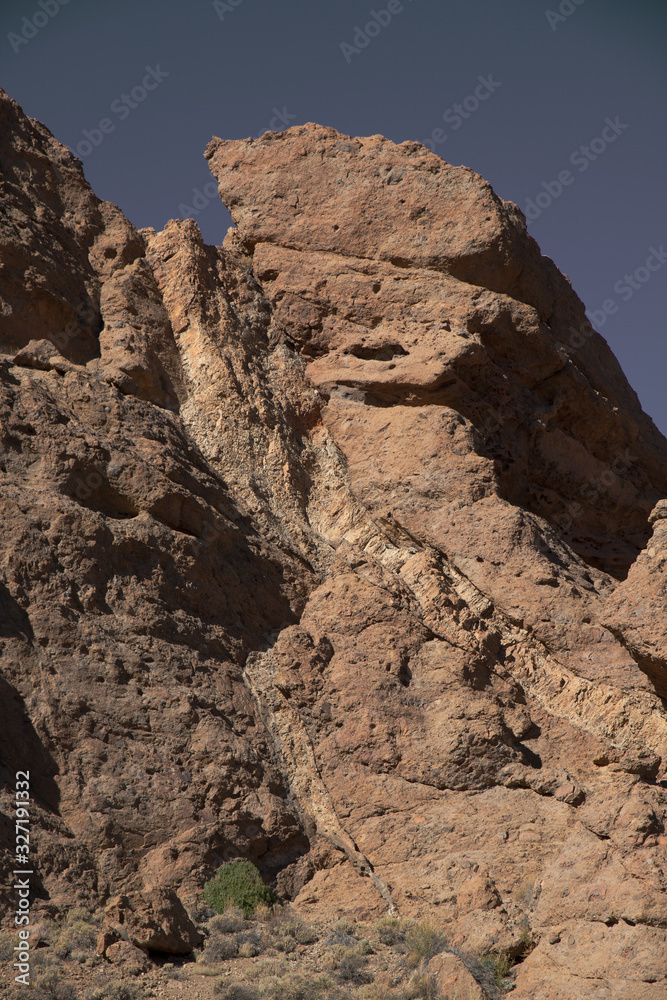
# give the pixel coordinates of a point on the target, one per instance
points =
(571, 114)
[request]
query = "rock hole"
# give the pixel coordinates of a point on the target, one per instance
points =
(382, 352)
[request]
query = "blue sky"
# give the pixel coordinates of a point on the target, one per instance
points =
(572, 122)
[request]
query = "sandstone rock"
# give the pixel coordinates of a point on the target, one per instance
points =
(454, 979)
(104, 940)
(611, 962)
(362, 276)
(42, 355)
(636, 613)
(129, 956)
(477, 893)
(330, 548)
(153, 921)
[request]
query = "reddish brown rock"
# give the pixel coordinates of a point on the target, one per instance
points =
(330, 548)
(636, 612)
(128, 956)
(454, 979)
(154, 920)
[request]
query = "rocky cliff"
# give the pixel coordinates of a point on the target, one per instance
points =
(338, 547)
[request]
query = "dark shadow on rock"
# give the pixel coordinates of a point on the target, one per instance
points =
(530, 758)
(21, 749)
(14, 621)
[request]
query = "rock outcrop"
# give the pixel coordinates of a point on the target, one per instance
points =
(337, 547)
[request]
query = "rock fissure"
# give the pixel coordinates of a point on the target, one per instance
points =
(301, 767)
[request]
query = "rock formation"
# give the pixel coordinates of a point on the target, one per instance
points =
(338, 547)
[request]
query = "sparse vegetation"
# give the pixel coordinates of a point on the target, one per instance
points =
(423, 941)
(114, 991)
(235, 991)
(285, 930)
(274, 954)
(267, 968)
(420, 986)
(301, 986)
(349, 964)
(345, 926)
(52, 985)
(344, 965)
(77, 936)
(229, 922)
(231, 935)
(220, 948)
(390, 930)
(200, 912)
(525, 894)
(7, 942)
(238, 883)
(263, 912)
(527, 941)
(490, 970)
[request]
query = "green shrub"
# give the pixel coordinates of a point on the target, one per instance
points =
(237, 883)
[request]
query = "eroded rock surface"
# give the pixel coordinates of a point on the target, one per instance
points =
(337, 547)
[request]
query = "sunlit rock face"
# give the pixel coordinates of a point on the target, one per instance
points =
(336, 547)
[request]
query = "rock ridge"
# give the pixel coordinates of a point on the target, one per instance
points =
(338, 547)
